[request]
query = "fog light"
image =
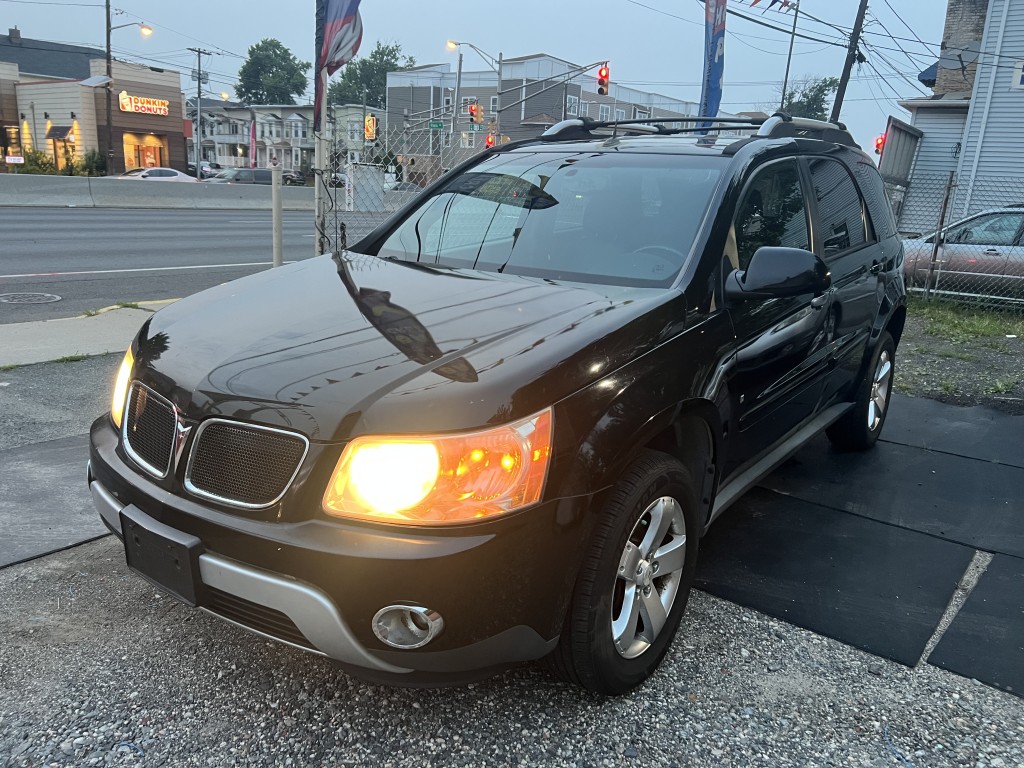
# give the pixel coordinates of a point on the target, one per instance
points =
(407, 626)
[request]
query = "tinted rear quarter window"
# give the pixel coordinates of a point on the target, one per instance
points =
(840, 211)
(873, 189)
(262, 176)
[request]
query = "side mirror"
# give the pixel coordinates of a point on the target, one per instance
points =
(776, 272)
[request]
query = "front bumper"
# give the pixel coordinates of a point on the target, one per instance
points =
(501, 588)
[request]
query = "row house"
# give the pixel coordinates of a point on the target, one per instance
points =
(283, 131)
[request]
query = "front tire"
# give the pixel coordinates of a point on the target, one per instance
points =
(860, 427)
(635, 580)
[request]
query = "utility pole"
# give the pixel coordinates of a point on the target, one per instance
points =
(110, 97)
(789, 59)
(497, 112)
(197, 139)
(851, 57)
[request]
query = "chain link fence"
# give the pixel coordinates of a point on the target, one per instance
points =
(978, 255)
(367, 182)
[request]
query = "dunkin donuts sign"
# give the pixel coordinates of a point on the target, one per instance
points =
(143, 105)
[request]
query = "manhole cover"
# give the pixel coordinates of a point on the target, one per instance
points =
(28, 298)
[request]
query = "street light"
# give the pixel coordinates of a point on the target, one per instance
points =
(493, 63)
(146, 31)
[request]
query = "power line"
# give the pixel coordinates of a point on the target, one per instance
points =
(895, 69)
(911, 30)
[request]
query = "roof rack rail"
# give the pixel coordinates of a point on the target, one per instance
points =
(582, 127)
(778, 125)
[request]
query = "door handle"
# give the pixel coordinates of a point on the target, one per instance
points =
(875, 268)
(992, 252)
(819, 301)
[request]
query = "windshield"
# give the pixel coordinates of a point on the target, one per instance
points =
(606, 217)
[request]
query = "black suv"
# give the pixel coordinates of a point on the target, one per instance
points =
(495, 429)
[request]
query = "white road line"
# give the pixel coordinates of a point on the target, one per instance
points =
(144, 269)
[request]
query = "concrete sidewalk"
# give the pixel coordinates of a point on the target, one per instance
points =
(110, 330)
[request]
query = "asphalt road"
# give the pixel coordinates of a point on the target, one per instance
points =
(97, 257)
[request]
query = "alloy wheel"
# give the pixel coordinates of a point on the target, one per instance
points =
(879, 391)
(648, 578)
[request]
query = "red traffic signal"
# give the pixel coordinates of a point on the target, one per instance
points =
(476, 115)
(489, 141)
(879, 144)
(603, 76)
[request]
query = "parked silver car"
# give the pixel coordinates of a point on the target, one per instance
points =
(981, 256)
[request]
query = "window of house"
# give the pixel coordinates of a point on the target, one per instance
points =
(620, 114)
(464, 107)
(446, 139)
(468, 140)
(355, 130)
(604, 112)
(494, 105)
(1018, 76)
(572, 105)
(447, 102)
(772, 212)
(840, 210)
(640, 114)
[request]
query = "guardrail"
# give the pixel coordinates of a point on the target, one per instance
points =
(112, 192)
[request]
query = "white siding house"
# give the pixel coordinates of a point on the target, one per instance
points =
(978, 130)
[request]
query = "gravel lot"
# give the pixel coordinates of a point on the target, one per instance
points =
(96, 668)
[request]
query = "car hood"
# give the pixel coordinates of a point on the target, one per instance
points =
(340, 346)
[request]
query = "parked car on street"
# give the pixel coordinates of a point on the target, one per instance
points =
(980, 257)
(293, 178)
(242, 176)
(209, 169)
(155, 174)
(496, 429)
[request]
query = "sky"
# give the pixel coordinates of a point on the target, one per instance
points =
(652, 45)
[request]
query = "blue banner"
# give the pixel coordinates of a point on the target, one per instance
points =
(714, 59)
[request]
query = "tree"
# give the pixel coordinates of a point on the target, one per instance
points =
(369, 74)
(271, 75)
(810, 97)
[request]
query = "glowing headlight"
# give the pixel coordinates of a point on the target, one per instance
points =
(124, 377)
(432, 480)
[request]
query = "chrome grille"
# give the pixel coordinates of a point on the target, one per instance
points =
(149, 429)
(243, 465)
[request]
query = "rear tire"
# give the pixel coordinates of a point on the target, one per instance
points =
(635, 580)
(860, 427)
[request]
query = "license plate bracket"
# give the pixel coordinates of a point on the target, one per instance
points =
(164, 556)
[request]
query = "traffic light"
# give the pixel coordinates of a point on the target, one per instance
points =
(879, 144)
(476, 115)
(489, 141)
(602, 80)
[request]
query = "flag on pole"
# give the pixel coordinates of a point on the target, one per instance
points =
(339, 31)
(714, 59)
(252, 138)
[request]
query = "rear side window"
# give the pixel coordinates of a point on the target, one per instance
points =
(840, 210)
(772, 212)
(262, 176)
(873, 189)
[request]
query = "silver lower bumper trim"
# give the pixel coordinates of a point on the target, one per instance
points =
(312, 611)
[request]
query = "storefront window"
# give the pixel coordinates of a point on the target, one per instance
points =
(144, 150)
